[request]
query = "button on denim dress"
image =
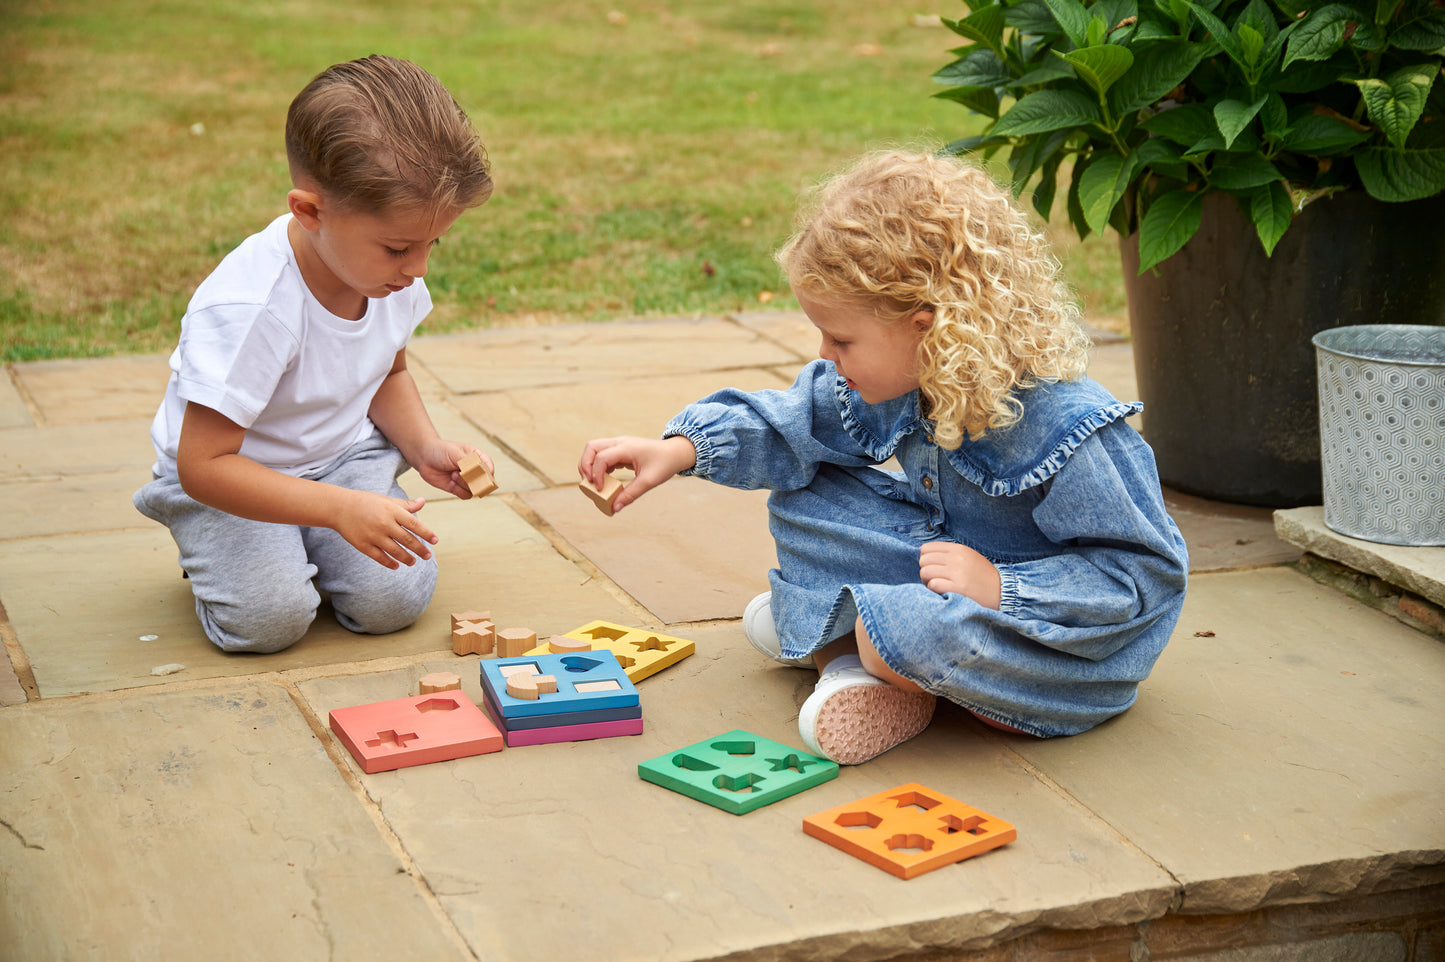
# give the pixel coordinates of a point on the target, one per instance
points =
(1065, 503)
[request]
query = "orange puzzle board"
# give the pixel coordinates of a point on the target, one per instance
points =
(435, 727)
(909, 830)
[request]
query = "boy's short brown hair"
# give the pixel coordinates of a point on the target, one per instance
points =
(381, 134)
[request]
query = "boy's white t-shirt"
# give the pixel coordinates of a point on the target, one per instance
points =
(257, 346)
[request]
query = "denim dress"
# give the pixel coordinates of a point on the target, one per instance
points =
(1065, 503)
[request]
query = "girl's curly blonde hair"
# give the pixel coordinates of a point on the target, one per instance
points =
(901, 233)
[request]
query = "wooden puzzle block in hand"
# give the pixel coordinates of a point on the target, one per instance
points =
(478, 479)
(604, 497)
(738, 771)
(640, 651)
(426, 728)
(909, 830)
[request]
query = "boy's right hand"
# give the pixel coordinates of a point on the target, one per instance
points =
(385, 529)
(652, 461)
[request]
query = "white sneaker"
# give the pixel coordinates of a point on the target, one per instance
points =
(852, 716)
(762, 632)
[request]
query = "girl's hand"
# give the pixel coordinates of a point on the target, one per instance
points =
(652, 461)
(384, 529)
(438, 466)
(949, 568)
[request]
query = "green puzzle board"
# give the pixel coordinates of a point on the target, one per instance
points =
(738, 771)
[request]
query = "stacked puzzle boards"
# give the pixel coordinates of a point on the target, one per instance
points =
(543, 698)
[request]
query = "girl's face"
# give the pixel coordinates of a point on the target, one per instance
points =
(879, 359)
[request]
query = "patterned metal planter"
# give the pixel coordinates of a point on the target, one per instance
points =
(1382, 431)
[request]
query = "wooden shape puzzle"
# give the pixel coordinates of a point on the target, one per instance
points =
(606, 496)
(738, 771)
(569, 671)
(640, 651)
(479, 480)
(414, 731)
(512, 642)
(474, 638)
(438, 681)
(909, 830)
(573, 733)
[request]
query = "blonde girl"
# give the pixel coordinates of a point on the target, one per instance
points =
(1021, 564)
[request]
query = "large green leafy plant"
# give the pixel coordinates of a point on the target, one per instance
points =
(1149, 105)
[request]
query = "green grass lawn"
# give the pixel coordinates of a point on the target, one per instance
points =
(648, 156)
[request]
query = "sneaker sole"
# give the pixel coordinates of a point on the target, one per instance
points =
(861, 722)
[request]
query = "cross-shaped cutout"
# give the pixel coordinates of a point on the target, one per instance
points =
(399, 739)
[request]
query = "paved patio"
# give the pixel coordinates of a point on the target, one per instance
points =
(1277, 790)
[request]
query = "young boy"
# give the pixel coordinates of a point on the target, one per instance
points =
(290, 411)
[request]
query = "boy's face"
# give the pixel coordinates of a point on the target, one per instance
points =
(366, 254)
(878, 359)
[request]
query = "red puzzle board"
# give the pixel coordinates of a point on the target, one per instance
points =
(414, 731)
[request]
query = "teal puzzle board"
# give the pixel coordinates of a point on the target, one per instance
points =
(738, 771)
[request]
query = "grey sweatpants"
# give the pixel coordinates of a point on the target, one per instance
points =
(256, 583)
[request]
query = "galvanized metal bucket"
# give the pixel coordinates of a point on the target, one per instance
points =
(1382, 431)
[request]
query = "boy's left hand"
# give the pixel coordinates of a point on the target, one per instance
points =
(438, 466)
(949, 568)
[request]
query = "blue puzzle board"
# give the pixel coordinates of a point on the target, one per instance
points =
(738, 771)
(570, 670)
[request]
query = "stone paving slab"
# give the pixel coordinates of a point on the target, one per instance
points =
(548, 427)
(80, 605)
(33, 453)
(70, 504)
(1221, 536)
(507, 359)
(201, 824)
(1292, 755)
(646, 873)
(95, 389)
(1417, 569)
(1287, 746)
(690, 550)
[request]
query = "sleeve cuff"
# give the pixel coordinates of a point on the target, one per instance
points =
(1009, 602)
(705, 450)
